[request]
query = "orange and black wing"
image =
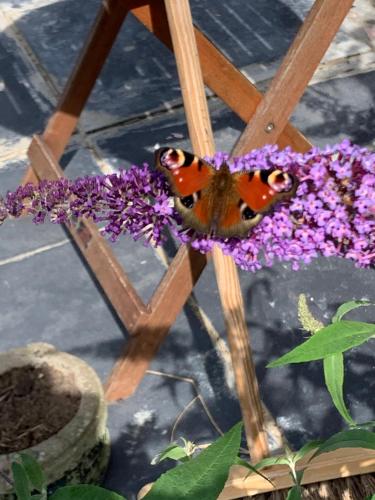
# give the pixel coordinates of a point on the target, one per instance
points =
(254, 193)
(189, 177)
(260, 189)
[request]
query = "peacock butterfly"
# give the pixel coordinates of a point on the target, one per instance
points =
(218, 202)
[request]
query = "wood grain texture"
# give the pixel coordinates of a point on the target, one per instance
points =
(190, 76)
(343, 462)
(195, 103)
(96, 251)
(295, 72)
(242, 360)
(223, 78)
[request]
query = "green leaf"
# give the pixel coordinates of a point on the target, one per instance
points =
(299, 475)
(349, 306)
(85, 492)
(353, 438)
(204, 476)
(243, 463)
(38, 496)
(174, 452)
(252, 468)
(334, 338)
(34, 471)
(311, 445)
(370, 497)
(294, 493)
(334, 378)
(21, 482)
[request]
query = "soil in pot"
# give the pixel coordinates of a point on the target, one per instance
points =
(36, 402)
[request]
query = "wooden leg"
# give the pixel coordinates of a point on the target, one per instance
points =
(295, 72)
(196, 109)
(62, 123)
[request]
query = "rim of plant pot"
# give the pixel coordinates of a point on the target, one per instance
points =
(79, 451)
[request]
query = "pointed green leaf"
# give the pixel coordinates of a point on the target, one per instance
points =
(294, 493)
(251, 468)
(353, 438)
(337, 337)
(370, 497)
(34, 471)
(85, 492)
(334, 379)
(349, 306)
(311, 445)
(204, 476)
(243, 463)
(174, 452)
(21, 482)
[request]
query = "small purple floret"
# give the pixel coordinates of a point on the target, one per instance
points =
(332, 213)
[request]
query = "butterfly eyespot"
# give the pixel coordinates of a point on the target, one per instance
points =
(247, 213)
(280, 181)
(189, 201)
(170, 158)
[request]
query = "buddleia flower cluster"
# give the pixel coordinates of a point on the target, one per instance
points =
(331, 214)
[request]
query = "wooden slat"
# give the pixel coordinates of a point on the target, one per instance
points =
(190, 76)
(196, 109)
(240, 348)
(295, 72)
(99, 256)
(64, 120)
(225, 80)
(166, 304)
(343, 462)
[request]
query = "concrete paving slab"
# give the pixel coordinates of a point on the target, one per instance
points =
(38, 305)
(23, 110)
(141, 60)
(254, 37)
(337, 109)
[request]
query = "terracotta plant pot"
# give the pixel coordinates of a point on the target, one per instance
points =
(79, 451)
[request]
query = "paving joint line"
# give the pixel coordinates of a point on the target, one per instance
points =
(26, 255)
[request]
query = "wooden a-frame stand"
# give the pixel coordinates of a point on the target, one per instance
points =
(198, 61)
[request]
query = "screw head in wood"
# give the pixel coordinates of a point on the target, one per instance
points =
(269, 127)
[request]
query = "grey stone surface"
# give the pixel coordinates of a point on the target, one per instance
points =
(49, 295)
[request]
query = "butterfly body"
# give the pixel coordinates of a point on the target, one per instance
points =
(219, 202)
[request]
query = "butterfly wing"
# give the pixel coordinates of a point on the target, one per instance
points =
(260, 189)
(190, 179)
(255, 193)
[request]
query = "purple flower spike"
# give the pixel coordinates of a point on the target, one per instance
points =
(332, 213)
